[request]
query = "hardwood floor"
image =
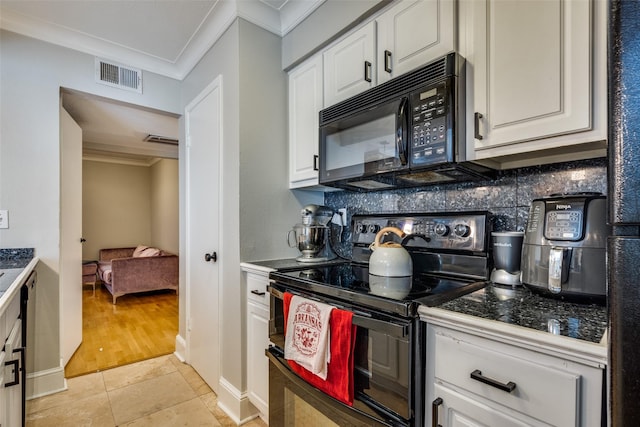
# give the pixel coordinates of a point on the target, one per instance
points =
(138, 327)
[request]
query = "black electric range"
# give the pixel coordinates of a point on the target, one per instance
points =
(450, 254)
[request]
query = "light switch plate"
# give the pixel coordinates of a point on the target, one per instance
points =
(4, 218)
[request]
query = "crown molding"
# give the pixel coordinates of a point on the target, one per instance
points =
(222, 15)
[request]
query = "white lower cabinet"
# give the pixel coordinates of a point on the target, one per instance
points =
(457, 409)
(472, 380)
(257, 324)
(3, 392)
(12, 383)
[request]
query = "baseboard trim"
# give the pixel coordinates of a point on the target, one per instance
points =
(44, 383)
(235, 403)
(181, 348)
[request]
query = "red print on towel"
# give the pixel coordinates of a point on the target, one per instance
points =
(339, 382)
(307, 327)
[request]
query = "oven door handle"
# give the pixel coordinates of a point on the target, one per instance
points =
(396, 330)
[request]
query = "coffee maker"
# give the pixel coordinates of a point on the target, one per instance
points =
(507, 251)
(312, 234)
(564, 249)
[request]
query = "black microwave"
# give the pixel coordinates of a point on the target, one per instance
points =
(409, 131)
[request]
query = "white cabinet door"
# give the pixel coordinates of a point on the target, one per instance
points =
(257, 323)
(12, 374)
(3, 392)
(349, 65)
(305, 103)
(413, 33)
(453, 409)
(531, 67)
(258, 364)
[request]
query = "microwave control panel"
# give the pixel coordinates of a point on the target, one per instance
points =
(431, 133)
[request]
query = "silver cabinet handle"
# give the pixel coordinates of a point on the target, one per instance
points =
(367, 71)
(434, 412)
(387, 61)
(476, 119)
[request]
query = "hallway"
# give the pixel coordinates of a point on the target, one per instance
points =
(159, 392)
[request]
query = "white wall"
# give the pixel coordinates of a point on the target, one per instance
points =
(31, 75)
(116, 206)
(164, 205)
(127, 205)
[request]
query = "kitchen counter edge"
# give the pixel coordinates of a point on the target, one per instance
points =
(14, 288)
(594, 354)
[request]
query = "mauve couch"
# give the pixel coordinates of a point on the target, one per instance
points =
(123, 273)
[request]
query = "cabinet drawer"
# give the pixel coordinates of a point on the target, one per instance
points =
(540, 391)
(257, 289)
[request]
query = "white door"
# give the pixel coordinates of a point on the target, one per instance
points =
(203, 128)
(70, 235)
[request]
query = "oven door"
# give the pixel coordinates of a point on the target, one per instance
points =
(388, 377)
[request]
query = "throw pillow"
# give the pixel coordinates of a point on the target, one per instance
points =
(138, 250)
(150, 252)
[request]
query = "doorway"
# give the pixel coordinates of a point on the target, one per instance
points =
(129, 197)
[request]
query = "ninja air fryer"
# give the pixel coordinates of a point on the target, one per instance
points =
(564, 247)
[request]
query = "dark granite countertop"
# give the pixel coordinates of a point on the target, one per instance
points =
(15, 258)
(12, 264)
(519, 306)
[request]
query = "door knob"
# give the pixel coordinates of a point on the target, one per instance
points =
(211, 257)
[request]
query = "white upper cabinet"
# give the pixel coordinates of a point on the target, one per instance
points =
(305, 103)
(349, 65)
(413, 33)
(535, 74)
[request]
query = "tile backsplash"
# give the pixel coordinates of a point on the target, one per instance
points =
(508, 197)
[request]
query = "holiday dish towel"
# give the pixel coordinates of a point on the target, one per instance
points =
(307, 341)
(339, 383)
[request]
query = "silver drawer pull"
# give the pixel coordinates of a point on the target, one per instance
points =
(508, 387)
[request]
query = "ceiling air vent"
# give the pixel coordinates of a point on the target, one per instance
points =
(161, 139)
(117, 75)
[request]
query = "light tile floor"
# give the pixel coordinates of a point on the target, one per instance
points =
(157, 392)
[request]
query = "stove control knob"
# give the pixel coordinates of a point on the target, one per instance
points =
(373, 228)
(461, 230)
(360, 228)
(441, 229)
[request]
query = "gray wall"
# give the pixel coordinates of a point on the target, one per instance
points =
(267, 208)
(325, 24)
(254, 169)
(221, 60)
(31, 75)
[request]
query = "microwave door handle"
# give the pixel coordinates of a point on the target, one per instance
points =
(402, 130)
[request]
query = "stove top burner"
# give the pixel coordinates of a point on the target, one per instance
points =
(356, 277)
(353, 283)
